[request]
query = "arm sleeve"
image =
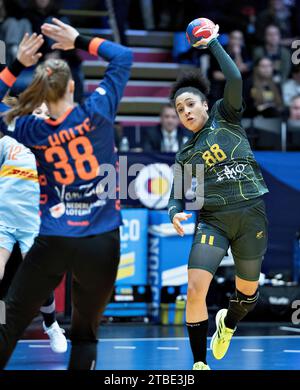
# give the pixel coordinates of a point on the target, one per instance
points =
(233, 96)
(103, 102)
(176, 202)
(8, 77)
(16, 129)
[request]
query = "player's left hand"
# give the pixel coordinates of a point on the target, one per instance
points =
(62, 33)
(28, 51)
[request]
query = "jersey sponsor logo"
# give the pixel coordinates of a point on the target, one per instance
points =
(233, 172)
(78, 203)
(200, 226)
(213, 125)
(18, 173)
(78, 223)
(101, 91)
(259, 235)
(153, 185)
(57, 210)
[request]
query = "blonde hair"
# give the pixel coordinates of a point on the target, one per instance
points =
(10, 101)
(49, 85)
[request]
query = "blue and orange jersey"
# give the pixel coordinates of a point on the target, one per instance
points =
(19, 187)
(76, 159)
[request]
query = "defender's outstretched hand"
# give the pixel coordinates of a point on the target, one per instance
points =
(62, 33)
(176, 222)
(28, 50)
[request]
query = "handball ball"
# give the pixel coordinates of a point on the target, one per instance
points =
(198, 30)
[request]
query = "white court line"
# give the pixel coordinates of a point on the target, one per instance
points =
(186, 338)
(173, 339)
(290, 329)
(124, 347)
(291, 351)
(39, 346)
(252, 350)
(169, 348)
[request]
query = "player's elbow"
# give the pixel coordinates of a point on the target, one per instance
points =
(127, 56)
(237, 77)
(237, 81)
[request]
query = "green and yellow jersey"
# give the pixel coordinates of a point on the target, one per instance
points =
(231, 173)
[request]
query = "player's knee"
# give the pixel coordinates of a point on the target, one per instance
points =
(243, 304)
(196, 293)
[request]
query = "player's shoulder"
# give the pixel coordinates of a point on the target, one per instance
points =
(215, 107)
(228, 113)
(7, 141)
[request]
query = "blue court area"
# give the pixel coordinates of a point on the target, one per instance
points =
(166, 353)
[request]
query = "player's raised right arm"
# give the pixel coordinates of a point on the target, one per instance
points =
(119, 57)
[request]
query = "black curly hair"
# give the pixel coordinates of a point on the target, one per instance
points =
(192, 81)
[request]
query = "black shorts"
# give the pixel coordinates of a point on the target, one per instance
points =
(243, 227)
(93, 262)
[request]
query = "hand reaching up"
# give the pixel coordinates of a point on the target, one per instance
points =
(62, 33)
(28, 51)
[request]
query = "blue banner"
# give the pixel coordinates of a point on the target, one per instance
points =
(133, 264)
(134, 233)
(168, 255)
(281, 172)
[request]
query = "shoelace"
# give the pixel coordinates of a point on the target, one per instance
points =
(226, 336)
(55, 330)
(225, 333)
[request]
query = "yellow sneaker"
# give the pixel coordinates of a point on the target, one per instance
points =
(200, 366)
(221, 339)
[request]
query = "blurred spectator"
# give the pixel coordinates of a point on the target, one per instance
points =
(121, 10)
(293, 125)
(277, 13)
(38, 11)
(148, 14)
(118, 134)
(12, 32)
(167, 136)
(264, 96)
(294, 110)
(237, 51)
(170, 18)
(175, 15)
(42, 11)
(279, 55)
(291, 87)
